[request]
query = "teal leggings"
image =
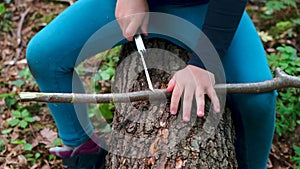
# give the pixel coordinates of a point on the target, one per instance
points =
(52, 55)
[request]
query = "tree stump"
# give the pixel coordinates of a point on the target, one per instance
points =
(146, 135)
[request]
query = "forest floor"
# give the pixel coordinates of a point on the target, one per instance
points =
(27, 146)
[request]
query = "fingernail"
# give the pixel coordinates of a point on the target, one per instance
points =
(200, 114)
(217, 110)
(173, 112)
(185, 119)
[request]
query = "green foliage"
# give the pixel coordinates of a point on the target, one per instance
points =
(103, 113)
(10, 101)
(107, 68)
(288, 28)
(24, 76)
(296, 158)
(32, 158)
(21, 118)
(285, 25)
(106, 110)
(26, 146)
(47, 18)
(2, 8)
(5, 18)
(57, 142)
(288, 104)
(2, 146)
(277, 5)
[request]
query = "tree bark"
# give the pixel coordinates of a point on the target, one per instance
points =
(146, 135)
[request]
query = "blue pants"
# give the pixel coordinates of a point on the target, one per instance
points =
(53, 52)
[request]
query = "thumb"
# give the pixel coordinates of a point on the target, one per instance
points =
(132, 27)
(144, 26)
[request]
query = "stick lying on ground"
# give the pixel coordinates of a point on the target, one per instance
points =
(281, 80)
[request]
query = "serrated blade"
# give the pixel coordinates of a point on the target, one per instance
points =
(142, 50)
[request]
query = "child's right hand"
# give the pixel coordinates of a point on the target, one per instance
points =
(132, 15)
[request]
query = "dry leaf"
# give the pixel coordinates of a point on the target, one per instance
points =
(48, 135)
(22, 160)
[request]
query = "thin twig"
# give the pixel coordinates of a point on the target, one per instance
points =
(281, 80)
(70, 2)
(20, 26)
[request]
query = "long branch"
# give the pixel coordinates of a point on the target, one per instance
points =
(281, 80)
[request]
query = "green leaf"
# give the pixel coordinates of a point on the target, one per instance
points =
(37, 155)
(28, 156)
(2, 146)
(18, 82)
(29, 119)
(51, 157)
(290, 3)
(25, 113)
(18, 142)
(2, 8)
(10, 101)
(296, 21)
(23, 124)
(16, 114)
(97, 77)
(274, 5)
(13, 122)
(6, 131)
(57, 142)
(27, 147)
(105, 111)
(104, 75)
(106, 129)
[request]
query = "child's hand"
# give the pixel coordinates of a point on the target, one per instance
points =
(192, 81)
(132, 15)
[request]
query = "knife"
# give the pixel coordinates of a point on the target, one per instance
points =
(142, 50)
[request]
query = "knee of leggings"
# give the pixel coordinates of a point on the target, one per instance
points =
(38, 55)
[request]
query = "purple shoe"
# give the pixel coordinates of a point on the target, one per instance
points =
(88, 155)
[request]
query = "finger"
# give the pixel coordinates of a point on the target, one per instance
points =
(171, 85)
(214, 98)
(177, 92)
(144, 27)
(187, 104)
(133, 26)
(200, 100)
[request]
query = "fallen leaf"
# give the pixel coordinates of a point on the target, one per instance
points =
(22, 160)
(48, 134)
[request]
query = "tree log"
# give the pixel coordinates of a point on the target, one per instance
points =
(145, 134)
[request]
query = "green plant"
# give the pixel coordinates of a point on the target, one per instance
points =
(296, 158)
(288, 103)
(2, 8)
(21, 118)
(30, 157)
(2, 146)
(26, 146)
(277, 5)
(24, 76)
(5, 18)
(107, 68)
(286, 28)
